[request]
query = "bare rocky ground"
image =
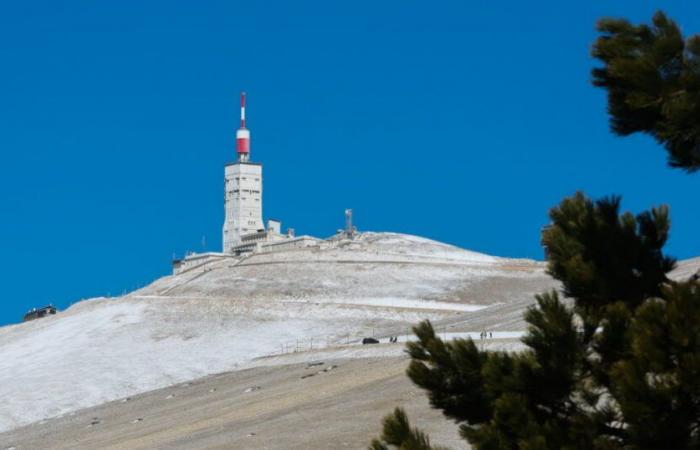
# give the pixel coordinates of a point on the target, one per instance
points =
(332, 404)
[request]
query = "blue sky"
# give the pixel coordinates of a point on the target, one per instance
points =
(461, 121)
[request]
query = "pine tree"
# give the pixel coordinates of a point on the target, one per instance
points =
(652, 76)
(615, 365)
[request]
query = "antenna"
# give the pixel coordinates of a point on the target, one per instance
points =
(349, 230)
(242, 109)
(243, 135)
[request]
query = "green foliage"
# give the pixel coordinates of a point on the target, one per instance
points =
(652, 76)
(397, 433)
(658, 386)
(456, 392)
(600, 255)
(617, 364)
(499, 398)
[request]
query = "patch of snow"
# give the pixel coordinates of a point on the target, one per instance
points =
(419, 246)
(403, 303)
(685, 269)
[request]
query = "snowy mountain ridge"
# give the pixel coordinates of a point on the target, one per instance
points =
(229, 314)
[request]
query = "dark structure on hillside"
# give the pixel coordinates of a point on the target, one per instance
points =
(38, 313)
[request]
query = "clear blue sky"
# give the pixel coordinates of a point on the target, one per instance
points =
(461, 121)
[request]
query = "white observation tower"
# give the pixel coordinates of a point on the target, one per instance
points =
(242, 191)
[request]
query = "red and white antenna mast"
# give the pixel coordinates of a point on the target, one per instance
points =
(243, 135)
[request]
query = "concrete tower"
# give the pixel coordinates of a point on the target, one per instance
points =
(242, 191)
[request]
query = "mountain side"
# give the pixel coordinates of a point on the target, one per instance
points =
(263, 310)
(221, 316)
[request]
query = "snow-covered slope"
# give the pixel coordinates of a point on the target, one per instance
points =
(222, 316)
(686, 268)
(225, 314)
